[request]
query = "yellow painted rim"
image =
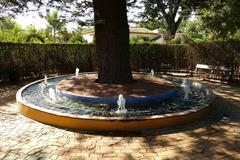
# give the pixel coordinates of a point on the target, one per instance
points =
(66, 120)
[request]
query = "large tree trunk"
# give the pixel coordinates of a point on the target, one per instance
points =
(171, 31)
(112, 39)
(172, 27)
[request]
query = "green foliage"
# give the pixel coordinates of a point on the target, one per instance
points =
(77, 37)
(6, 23)
(172, 12)
(193, 29)
(55, 23)
(32, 35)
(139, 39)
(221, 19)
(12, 35)
(27, 60)
(176, 40)
(237, 34)
(10, 31)
(221, 53)
(153, 24)
(158, 57)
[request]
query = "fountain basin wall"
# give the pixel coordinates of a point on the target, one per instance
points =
(110, 124)
(129, 100)
(99, 123)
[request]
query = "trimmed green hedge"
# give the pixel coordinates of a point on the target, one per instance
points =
(216, 53)
(28, 60)
(158, 57)
(34, 60)
(221, 53)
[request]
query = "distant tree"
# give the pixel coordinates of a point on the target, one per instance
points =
(64, 36)
(55, 23)
(139, 39)
(6, 23)
(152, 24)
(18, 33)
(33, 35)
(193, 29)
(222, 18)
(171, 11)
(10, 31)
(77, 37)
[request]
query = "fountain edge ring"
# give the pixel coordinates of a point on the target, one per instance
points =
(85, 122)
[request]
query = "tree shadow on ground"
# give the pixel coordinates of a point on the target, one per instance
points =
(214, 116)
(225, 107)
(215, 136)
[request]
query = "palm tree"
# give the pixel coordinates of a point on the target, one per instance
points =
(77, 36)
(33, 35)
(55, 23)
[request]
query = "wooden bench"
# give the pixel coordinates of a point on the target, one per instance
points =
(211, 72)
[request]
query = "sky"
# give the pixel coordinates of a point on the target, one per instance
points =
(34, 19)
(31, 18)
(40, 23)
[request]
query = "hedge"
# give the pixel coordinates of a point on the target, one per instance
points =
(28, 60)
(34, 60)
(158, 57)
(221, 53)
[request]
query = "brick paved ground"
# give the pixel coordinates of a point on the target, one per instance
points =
(214, 137)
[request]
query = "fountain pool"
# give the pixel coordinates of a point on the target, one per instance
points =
(52, 105)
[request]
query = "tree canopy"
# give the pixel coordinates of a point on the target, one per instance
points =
(215, 19)
(222, 19)
(54, 22)
(6, 23)
(172, 12)
(12, 7)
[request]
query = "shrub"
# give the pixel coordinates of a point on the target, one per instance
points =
(221, 53)
(158, 57)
(27, 60)
(24, 60)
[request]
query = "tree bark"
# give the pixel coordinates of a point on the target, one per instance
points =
(171, 31)
(112, 41)
(172, 27)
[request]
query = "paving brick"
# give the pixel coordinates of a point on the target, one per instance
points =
(96, 155)
(22, 138)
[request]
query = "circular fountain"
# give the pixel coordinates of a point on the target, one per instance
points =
(77, 101)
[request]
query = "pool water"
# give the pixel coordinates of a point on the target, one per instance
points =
(38, 95)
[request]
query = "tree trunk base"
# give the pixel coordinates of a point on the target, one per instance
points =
(116, 82)
(112, 39)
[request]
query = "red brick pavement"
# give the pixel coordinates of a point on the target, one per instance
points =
(214, 137)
